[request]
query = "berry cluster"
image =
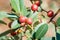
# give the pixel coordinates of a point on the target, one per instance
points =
(34, 6)
(24, 20)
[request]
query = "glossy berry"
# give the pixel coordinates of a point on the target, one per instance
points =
(37, 3)
(13, 33)
(29, 21)
(19, 31)
(22, 24)
(50, 13)
(34, 7)
(22, 19)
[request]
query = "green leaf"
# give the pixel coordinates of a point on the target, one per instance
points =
(15, 5)
(29, 39)
(58, 22)
(5, 33)
(34, 16)
(2, 22)
(3, 15)
(15, 24)
(20, 36)
(12, 16)
(40, 30)
(46, 38)
(39, 9)
(3, 38)
(28, 34)
(58, 30)
(31, 12)
(35, 23)
(23, 8)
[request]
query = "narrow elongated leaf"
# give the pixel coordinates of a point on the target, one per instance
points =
(35, 23)
(12, 16)
(58, 31)
(15, 5)
(2, 22)
(39, 9)
(5, 33)
(58, 21)
(41, 30)
(3, 38)
(34, 16)
(28, 34)
(29, 39)
(3, 15)
(23, 8)
(46, 38)
(30, 13)
(15, 24)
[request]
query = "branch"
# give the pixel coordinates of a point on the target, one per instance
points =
(43, 9)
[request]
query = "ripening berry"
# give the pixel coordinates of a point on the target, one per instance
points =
(19, 31)
(34, 7)
(22, 19)
(13, 33)
(37, 3)
(50, 13)
(29, 21)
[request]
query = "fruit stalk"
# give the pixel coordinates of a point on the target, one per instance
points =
(43, 9)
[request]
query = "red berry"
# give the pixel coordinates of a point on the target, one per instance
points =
(29, 21)
(13, 33)
(37, 3)
(22, 19)
(34, 7)
(50, 13)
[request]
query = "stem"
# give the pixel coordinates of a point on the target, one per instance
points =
(30, 27)
(52, 16)
(25, 28)
(43, 9)
(55, 28)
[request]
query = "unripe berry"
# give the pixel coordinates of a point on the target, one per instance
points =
(50, 13)
(34, 7)
(19, 31)
(13, 33)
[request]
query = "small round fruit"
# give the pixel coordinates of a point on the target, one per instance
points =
(37, 3)
(29, 21)
(19, 31)
(22, 19)
(50, 13)
(22, 24)
(13, 33)
(34, 7)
